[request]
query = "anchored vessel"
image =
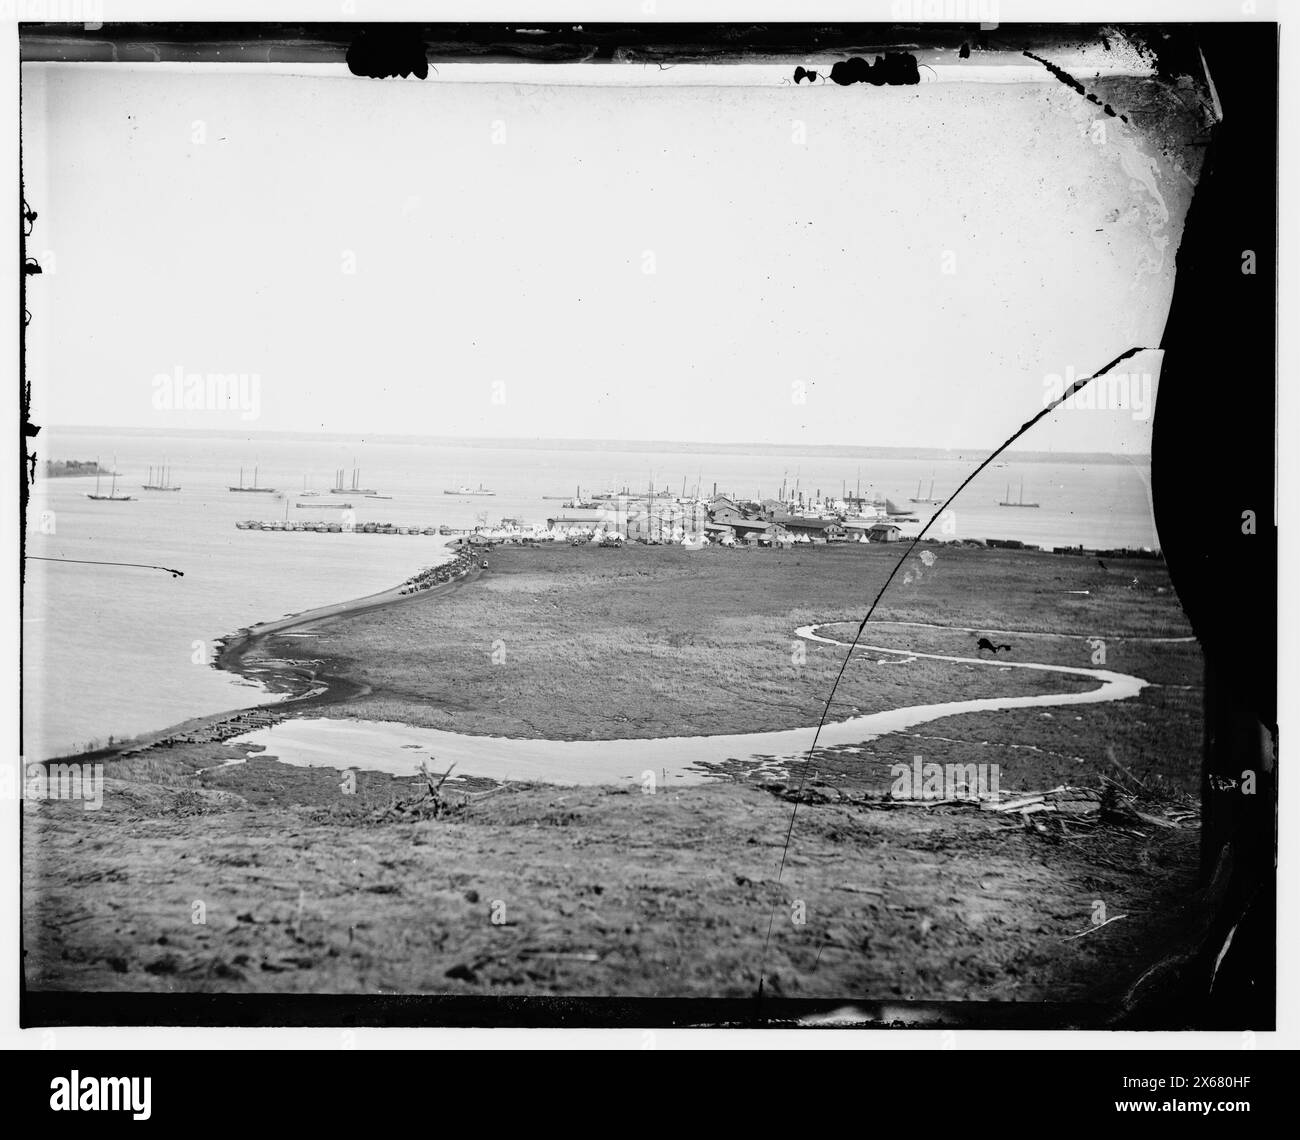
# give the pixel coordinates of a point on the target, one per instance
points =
(112, 496)
(479, 490)
(163, 483)
(1007, 501)
(918, 499)
(355, 489)
(254, 489)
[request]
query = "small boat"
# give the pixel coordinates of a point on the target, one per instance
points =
(898, 514)
(164, 481)
(254, 489)
(379, 496)
(112, 496)
(1007, 501)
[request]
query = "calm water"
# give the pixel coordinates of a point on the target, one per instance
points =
(110, 650)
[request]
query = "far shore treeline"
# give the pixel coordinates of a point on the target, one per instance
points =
(662, 446)
(56, 468)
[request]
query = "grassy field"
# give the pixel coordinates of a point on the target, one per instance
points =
(581, 643)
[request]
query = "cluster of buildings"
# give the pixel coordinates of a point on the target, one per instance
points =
(772, 522)
(653, 519)
(725, 521)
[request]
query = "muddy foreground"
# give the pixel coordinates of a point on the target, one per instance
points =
(264, 879)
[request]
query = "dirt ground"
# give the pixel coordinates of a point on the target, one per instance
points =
(540, 890)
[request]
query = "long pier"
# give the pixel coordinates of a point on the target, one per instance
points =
(318, 527)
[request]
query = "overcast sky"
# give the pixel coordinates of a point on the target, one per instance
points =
(658, 262)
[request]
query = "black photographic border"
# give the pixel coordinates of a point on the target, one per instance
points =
(1213, 457)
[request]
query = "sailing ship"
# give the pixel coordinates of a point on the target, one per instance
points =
(1007, 501)
(254, 489)
(164, 482)
(306, 494)
(355, 489)
(918, 499)
(112, 496)
(898, 513)
(480, 490)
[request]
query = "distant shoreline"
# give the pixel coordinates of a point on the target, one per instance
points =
(659, 446)
(300, 687)
(317, 688)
